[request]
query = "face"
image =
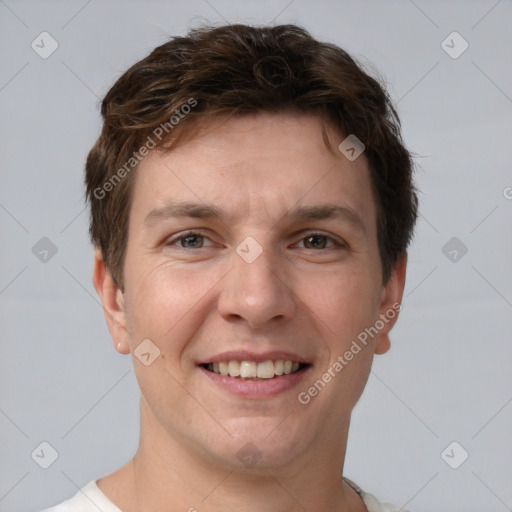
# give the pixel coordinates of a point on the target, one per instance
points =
(252, 250)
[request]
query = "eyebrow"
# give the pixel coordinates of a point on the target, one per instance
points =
(301, 213)
(194, 210)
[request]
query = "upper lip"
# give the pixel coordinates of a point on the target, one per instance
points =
(247, 355)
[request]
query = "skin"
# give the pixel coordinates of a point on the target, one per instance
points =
(311, 297)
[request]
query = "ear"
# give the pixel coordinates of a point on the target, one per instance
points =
(112, 300)
(390, 304)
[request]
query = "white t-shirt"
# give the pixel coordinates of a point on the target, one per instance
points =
(91, 499)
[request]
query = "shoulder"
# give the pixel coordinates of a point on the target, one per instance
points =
(87, 499)
(371, 502)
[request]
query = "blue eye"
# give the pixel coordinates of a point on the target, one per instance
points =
(193, 241)
(190, 240)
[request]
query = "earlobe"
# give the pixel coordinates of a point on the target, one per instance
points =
(390, 305)
(383, 344)
(112, 300)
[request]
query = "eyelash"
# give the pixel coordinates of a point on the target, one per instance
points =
(187, 234)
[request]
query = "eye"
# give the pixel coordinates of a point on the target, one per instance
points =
(190, 240)
(317, 241)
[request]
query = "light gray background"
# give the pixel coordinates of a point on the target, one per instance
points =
(448, 376)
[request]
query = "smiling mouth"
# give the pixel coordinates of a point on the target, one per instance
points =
(251, 370)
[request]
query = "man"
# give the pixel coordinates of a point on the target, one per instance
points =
(251, 207)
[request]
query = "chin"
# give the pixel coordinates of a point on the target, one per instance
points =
(260, 443)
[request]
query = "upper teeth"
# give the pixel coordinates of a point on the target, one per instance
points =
(251, 369)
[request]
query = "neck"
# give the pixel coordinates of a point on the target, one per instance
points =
(166, 472)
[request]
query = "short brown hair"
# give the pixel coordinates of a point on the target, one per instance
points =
(240, 69)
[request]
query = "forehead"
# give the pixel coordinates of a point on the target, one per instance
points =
(260, 165)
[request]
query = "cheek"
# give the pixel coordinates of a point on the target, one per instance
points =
(166, 304)
(350, 305)
(344, 304)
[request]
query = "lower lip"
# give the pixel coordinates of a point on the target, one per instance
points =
(257, 389)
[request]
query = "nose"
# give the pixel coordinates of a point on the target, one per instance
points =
(256, 293)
